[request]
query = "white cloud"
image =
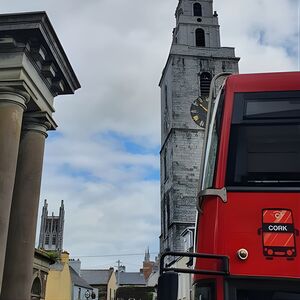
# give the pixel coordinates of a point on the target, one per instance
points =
(264, 34)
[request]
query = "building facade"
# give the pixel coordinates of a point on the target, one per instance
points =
(64, 283)
(41, 267)
(52, 229)
(34, 69)
(195, 57)
(104, 280)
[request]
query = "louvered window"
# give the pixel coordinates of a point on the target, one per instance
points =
(205, 80)
(200, 37)
(197, 10)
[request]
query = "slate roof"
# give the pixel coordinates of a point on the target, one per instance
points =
(57, 266)
(131, 278)
(77, 280)
(96, 277)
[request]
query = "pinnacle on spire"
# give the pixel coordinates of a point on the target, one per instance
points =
(147, 254)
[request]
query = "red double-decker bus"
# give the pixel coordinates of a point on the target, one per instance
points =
(247, 239)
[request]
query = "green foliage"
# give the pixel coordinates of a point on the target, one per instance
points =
(142, 293)
(150, 296)
(54, 255)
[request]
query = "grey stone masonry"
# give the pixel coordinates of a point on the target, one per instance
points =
(196, 49)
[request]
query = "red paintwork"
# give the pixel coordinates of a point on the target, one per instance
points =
(278, 239)
(277, 216)
(224, 228)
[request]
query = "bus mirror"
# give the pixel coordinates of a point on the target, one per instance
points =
(221, 193)
(168, 286)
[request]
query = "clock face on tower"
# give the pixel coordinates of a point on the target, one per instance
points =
(199, 110)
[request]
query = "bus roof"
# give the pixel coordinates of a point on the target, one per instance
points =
(264, 82)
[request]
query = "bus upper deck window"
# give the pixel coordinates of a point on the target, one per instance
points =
(272, 109)
(264, 146)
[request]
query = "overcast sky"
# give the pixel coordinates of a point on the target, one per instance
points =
(103, 160)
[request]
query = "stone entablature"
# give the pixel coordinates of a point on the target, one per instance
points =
(33, 60)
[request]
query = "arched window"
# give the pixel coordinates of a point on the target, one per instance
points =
(197, 10)
(36, 289)
(205, 80)
(200, 37)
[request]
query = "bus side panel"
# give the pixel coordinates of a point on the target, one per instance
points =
(240, 220)
(242, 228)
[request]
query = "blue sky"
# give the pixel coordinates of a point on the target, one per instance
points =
(103, 160)
(121, 143)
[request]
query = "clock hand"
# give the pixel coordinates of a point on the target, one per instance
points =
(203, 107)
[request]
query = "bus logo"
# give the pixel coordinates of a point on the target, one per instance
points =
(278, 233)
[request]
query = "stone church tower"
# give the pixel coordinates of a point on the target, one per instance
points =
(195, 57)
(52, 229)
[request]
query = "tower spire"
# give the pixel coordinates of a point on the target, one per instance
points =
(147, 255)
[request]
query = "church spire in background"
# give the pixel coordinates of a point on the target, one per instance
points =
(52, 228)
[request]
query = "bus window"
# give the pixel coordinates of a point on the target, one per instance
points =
(212, 143)
(266, 295)
(264, 147)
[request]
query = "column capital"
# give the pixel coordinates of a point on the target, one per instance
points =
(38, 121)
(12, 95)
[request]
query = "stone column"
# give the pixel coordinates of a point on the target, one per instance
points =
(12, 105)
(17, 276)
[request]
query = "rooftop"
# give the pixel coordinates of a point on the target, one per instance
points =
(97, 277)
(131, 278)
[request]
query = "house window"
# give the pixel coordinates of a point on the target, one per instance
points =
(188, 239)
(205, 80)
(200, 37)
(36, 289)
(197, 10)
